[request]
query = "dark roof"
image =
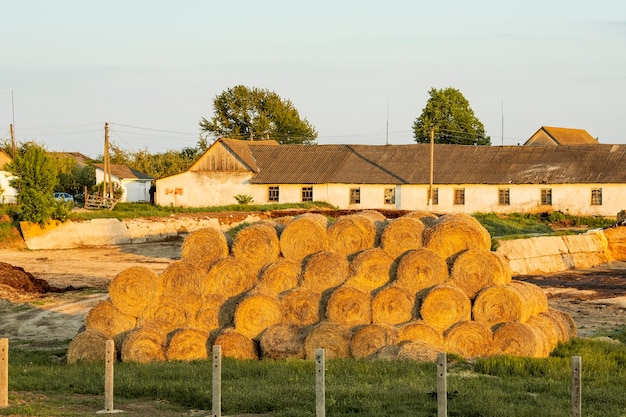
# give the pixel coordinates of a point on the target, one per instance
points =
(124, 172)
(453, 164)
(560, 136)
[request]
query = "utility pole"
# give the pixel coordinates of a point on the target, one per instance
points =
(432, 159)
(107, 164)
(12, 141)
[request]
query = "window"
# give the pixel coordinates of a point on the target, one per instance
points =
(435, 196)
(307, 193)
(596, 196)
(355, 196)
(546, 197)
(504, 196)
(273, 194)
(459, 196)
(390, 196)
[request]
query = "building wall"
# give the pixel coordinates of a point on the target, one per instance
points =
(135, 191)
(8, 194)
(197, 189)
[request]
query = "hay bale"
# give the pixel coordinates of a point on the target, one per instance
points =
(144, 344)
(368, 339)
(548, 327)
(425, 217)
(237, 346)
(418, 330)
(279, 276)
(476, 269)
(300, 306)
(108, 320)
(324, 270)
(302, 237)
(533, 296)
(444, 305)
(500, 304)
(565, 325)
(204, 247)
(392, 305)
(256, 246)
(349, 306)
(334, 338)
(469, 339)
(352, 234)
(255, 313)
(187, 345)
(453, 234)
(402, 234)
(87, 346)
(182, 278)
(409, 350)
(134, 290)
(283, 341)
(616, 242)
(228, 277)
(419, 269)
(209, 316)
(369, 270)
(174, 312)
(519, 339)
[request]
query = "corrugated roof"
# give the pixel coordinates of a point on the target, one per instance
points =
(562, 136)
(453, 164)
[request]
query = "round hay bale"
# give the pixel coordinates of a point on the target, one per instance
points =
(87, 346)
(425, 217)
(419, 269)
(469, 339)
(279, 276)
(334, 338)
(256, 246)
(300, 306)
(134, 290)
(373, 215)
(255, 313)
(237, 346)
(417, 330)
(349, 306)
(108, 320)
(519, 339)
(500, 304)
(409, 350)
(187, 345)
(368, 339)
(324, 270)
(351, 234)
(228, 277)
(445, 305)
(533, 295)
(369, 270)
(182, 278)
(453, 234)
(564, 323)
(204, 247)
(175, 312)
(392, 305)
(144, 344)
(548, 327)
(302, 237)
(402, 234)
(476, 269)
(283, 341)
(209, 317)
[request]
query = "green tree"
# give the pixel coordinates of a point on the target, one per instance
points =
(73, 178)
(452, 118)
(35, 176)
(244, 113)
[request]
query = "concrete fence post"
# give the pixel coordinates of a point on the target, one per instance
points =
(216, 387)
(442, 385)
(4, 373)
(576, 386)
(320, 383)
(109, 386)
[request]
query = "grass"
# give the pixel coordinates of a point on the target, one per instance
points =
(499, 386)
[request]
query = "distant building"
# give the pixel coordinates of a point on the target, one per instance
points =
(8, 194)
(546, 136)
(136, 184)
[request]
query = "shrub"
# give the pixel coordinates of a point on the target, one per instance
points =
(244, 199)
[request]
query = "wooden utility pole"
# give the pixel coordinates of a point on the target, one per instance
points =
(12, 141)
(107, 165)
(432, 160)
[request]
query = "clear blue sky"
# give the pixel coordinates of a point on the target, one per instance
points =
(152, 68)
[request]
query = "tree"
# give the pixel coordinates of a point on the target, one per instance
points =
(452, 118)
(244, 113)
(35, 176)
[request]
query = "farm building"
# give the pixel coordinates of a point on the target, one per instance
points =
(8, 194)
(547, 136)
(581, 179)
(136, 184)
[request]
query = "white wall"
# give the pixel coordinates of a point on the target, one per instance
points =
(135, 191)
(196, 189)
(8, 194)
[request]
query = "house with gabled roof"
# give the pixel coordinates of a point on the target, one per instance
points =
(8, 194)
(553, 136)
(584, 179)
(136, 184)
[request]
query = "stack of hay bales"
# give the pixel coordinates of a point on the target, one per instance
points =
(363, 286)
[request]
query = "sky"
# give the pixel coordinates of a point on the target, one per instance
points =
(359, 71)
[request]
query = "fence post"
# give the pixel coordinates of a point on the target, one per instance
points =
(109, 361)
(320, 383)
(576, 386)
(4, 373)
(442, 385)
(216, 390)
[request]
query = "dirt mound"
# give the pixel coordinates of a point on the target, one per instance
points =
(17, 284)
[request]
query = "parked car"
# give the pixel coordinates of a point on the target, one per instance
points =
(65, 197)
